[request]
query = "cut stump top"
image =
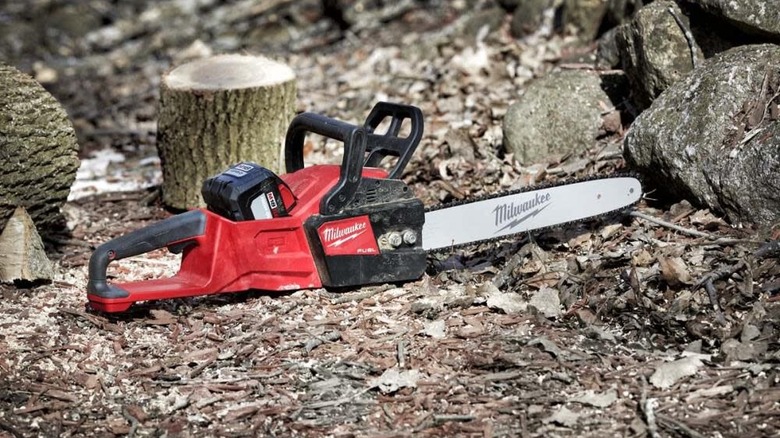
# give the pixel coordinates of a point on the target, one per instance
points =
(228, 72)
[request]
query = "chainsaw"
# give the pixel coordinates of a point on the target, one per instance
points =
(333, 226)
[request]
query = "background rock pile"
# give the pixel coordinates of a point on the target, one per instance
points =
(703, 82)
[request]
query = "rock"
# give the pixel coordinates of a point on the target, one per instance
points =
(753, 16)
(529, 17)
(558, 113)
(21, 251)
(618, 11)
(726, 157)
(654, 50)
(595, 399)
(607, 54)
(547, 302)
(584, 16)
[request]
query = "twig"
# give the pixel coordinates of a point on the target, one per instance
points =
(506, 273)
(688, 231)
(682, 427)
(10, 429)
(445, 418)
(769, 249)
(708, 283)
(687, 34)
(349, 398)
(329, 337)
(401, 353)
(647, 406)
(133, 422)
(361, 295)
(712, 293)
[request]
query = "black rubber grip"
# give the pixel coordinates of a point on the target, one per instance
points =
(380, 146)
(358, 141)
(170, 233)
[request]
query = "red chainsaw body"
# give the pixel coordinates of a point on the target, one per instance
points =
(328, 225)
(268, 254)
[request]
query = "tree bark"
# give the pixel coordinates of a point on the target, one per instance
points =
(38, 150)
(216, 112)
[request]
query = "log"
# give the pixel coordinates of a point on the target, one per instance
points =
(218, 111)
(38, 151)
(22, 257)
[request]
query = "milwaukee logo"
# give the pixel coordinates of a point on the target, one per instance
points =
(335, 236)
(350, 236)
(510, 215)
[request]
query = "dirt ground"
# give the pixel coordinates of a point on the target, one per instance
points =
(620, 326)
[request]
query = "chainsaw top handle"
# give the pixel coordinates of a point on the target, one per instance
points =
(362, 147)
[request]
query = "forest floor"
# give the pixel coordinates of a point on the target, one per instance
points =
(605, 328)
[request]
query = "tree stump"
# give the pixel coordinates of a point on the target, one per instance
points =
(38, 150)
(215, 112)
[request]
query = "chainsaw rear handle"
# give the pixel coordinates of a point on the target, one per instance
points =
(174, 233)
(358, 141)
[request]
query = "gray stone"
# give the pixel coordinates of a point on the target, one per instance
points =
(558, 113)
(529, 16)
(547, 301)
(607, 55)
(619, 11)
(654, 50)
(584, 16)
(753, 16)
(714, 137)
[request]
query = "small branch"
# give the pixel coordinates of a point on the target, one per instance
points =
(682, 427)
(445, 418)
(688, 231)
(647, 406)
(708, 283)
(401, 354)
(687, 34)
(712, 238)
(769, 249)
(132, 420)
(10, 429)
(361, 295)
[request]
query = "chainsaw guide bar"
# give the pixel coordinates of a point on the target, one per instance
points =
(502, 215)
(334, 226)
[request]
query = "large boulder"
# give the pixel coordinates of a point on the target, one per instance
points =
(559, 113)
(714, 137)
(655, 51)
(754, 16)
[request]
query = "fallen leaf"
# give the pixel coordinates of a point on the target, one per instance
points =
(507, 302)
(435, 329)
(161, 317)
(563, 417)
(669, 373)
(594, 399)
(674, 271)
(394, 379)
(548, 346)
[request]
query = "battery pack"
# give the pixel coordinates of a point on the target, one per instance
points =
(247, 191)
